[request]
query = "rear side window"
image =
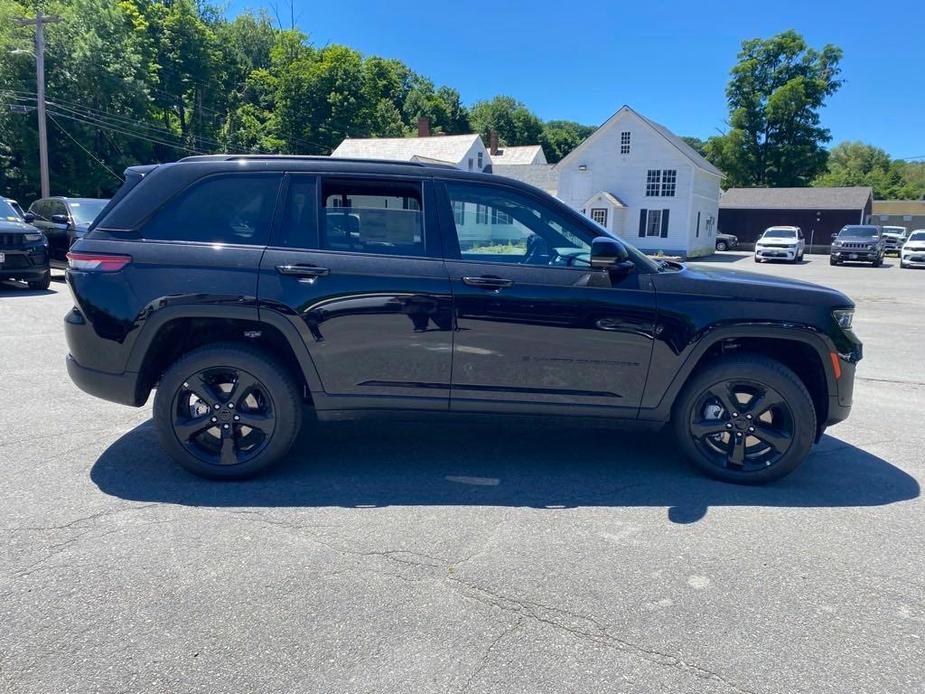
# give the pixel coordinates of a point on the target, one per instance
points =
(372, 216)
(237, 208)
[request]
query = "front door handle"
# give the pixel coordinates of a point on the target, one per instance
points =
(303, 270)
(488, 282)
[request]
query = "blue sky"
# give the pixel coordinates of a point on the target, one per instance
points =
(669, 60)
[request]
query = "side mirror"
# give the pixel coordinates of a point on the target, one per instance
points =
(60, 219)
(835, 235)
(28, 217)
(610, 255)
(607, 252)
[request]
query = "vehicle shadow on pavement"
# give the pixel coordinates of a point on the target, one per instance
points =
(533, 464)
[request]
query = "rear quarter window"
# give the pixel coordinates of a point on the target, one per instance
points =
(231, 208)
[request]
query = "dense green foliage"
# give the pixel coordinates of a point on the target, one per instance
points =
(132, 81)
(859, 164)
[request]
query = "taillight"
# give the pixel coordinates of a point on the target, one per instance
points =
(97, 262)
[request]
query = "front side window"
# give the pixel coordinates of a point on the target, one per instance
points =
(599, 215)
(373, 216)
(236, 208)
(85, 210)
(517, 228)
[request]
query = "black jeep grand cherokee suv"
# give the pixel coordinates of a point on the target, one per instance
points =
(246, 287)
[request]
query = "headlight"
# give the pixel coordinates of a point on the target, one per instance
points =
(844, 317)
(836, 243)
(32, 237)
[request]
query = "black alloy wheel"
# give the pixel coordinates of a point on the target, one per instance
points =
(745, 418)
(742, 425)
(721, 245)
(223, 416)
(228, 410)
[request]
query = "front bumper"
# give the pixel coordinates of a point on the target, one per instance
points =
(914, 258)
(28, 262)
(856, 255)
(776, 253)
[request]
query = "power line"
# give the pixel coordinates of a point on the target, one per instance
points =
(89, 153)
(103, 126)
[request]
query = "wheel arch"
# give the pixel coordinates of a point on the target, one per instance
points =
(801, 349)
(174, 331)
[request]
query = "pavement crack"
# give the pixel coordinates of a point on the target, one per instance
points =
(486, 655)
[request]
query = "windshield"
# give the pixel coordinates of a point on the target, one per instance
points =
(862, 232)
(8, 213)
(779, 234)
(917, 236)
(85, 210)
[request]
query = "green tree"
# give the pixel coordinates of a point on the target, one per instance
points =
(513, 121)
(860, 164)
(776, 91)
(559, 137)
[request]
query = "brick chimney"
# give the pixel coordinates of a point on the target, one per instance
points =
(493, 143)
(423, 126)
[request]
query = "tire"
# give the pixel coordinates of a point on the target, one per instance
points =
(190, 398)
(833, 261)
(878, 262)
(42, 284)
(903, 265)
(721, 246)
(789, 423)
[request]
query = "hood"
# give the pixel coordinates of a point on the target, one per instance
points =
(777, 242)
(11, 227)
(753, 286)
(915, 244)
(857, 239)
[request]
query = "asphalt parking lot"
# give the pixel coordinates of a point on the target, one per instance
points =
(462, 557)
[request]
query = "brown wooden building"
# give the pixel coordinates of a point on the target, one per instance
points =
(819, 212)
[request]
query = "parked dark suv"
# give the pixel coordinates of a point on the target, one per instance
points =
(858, 243)
(63, 220)
(246, 287)
(23, 250)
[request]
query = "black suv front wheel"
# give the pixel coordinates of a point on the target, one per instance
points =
(745, 419)
(227, 411)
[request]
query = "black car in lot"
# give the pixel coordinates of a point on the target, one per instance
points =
(246, 288)
(63, 220)
(858, 243)
(726, 242)
(23, 250)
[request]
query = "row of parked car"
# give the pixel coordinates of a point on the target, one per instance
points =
(865, 243)
(35, 240)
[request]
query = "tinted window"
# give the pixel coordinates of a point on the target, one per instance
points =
(7, 213)
(495, 224)
(39, 208)
(299, 225)
(779, 234)
(372, 217)
(56, 207)
(228, 209)
(85, 210)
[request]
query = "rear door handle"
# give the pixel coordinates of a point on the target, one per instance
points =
(303, 270)
(488, 282)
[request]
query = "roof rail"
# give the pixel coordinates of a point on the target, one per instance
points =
(312, 157)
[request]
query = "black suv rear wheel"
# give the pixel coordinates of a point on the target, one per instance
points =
(227, 411)
(745, 419)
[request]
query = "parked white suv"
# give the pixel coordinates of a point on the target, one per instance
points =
(780, 243)
(913, 251)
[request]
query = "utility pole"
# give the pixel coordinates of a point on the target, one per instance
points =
(39, 23)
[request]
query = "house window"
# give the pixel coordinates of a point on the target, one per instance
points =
(599, 215)
(884, 218)
(459, 212)
(481, 214)
(625, 142)
(654, 223)
(499, 216)
(661, 183)
(470, 163)
(653, 183)
(669, 181)
(480, 161)
(907, 217)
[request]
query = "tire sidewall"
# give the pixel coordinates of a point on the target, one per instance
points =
(279, 387)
